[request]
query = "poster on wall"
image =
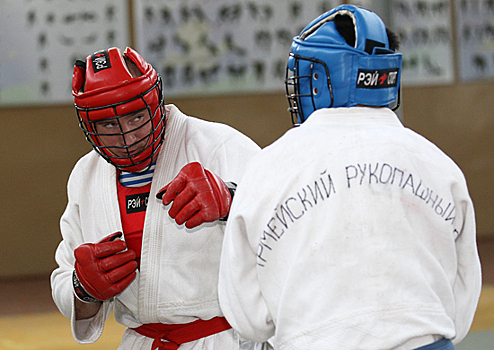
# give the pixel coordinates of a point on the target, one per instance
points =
(475, 39)
(426, 35)
(41, 39)
(371, 5)
(204, 47)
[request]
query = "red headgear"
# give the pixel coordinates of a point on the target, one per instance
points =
(104, 89)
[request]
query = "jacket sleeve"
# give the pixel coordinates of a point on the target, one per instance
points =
(240, 295)
(467, 285)
(89, 330)
(86, 331)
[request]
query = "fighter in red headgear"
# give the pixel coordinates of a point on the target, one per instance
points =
(134, 230)
(107, 87)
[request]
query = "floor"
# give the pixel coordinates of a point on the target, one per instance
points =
(29, 320)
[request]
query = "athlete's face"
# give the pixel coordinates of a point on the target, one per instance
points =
(130, 131)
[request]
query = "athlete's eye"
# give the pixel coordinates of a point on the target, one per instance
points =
(138, 120)
(107, 126)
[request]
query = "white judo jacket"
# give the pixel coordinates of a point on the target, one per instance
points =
(351, 232)
(177, 281)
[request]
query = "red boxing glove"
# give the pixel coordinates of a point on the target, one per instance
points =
(198, 196)
(103, 269)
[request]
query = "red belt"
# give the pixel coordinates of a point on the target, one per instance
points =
(177, 334)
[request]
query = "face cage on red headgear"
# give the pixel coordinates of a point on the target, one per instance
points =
(154, 141)
(292, 87)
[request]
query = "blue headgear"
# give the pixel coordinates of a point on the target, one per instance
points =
(324, 71)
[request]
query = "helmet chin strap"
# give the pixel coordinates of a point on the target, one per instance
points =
(398, 100)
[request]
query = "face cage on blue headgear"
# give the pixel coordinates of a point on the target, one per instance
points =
(92, 136)
(292, 87)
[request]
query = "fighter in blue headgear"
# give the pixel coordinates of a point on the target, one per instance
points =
(345, 57)
(326, 241)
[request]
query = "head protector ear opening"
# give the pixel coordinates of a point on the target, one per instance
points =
(308, 87)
